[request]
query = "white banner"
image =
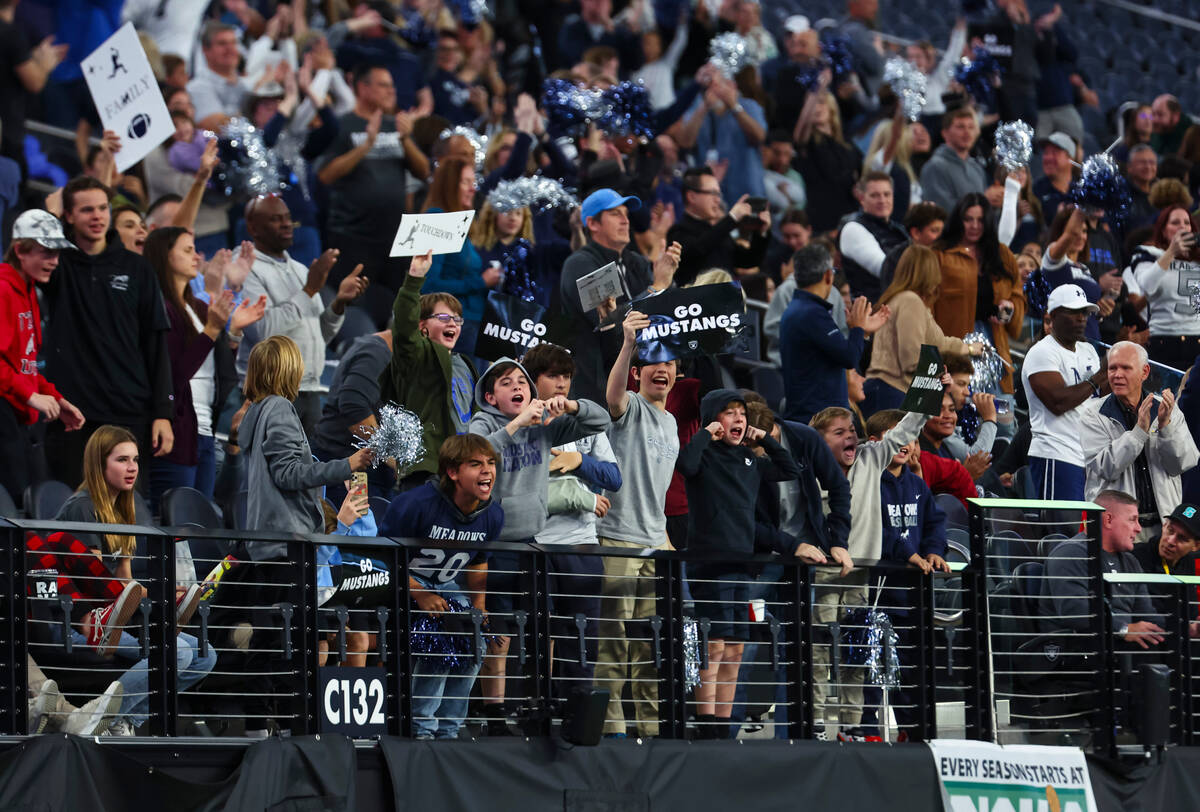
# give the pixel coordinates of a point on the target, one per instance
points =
(127, 97)
(442, 233)
(979, 776)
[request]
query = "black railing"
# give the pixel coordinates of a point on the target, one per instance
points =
(980, 656)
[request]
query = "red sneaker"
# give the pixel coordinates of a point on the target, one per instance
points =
(103, 626)
(186, 603)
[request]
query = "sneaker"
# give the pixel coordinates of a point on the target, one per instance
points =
(103, 626)
(120, 727)
(43, 706)
(614, 735)
(97, 715)
(186, 603)
(208, 587)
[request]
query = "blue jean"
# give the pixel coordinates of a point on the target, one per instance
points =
(880, 396)
(135, 682)
(439, 698)
(765, 588)
(206, 465)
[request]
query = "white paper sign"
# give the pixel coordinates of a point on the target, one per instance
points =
(982, 775)
(127, 97)
(598, 285)
(441, 233)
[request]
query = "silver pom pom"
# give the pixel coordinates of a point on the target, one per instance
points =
(729, 53)
(254, 172)
(691, 654)
(479, 143)
(1194, 297)
(399, 434)
(1014, 144)
(883, 660)
(909, 85)
(537, 193)
(989, 367)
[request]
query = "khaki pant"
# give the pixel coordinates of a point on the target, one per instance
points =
(628, 593)
(831, 603)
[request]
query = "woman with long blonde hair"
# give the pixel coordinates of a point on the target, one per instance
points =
(897, 345)
(829, 164)
(108, 496)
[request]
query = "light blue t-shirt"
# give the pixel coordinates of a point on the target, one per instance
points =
(723, 133)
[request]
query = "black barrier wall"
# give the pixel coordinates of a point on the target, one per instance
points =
(971, 654)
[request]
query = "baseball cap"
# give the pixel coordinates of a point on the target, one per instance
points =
(1071, 297)
(1189, 516)
(1063, 141)
(602, 200)
(796, 24)
(43, 228)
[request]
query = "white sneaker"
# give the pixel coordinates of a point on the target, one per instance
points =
(120, 727)
(185, 607)
(43, 706)
(97, 715)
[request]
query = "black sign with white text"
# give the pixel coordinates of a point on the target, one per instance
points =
(925, 392)
(352, 701)
(510, 326)
(688, 321)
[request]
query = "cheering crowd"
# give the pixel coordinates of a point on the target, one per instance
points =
(225, 315)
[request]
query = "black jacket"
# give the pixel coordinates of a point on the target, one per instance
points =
(723, 483)
(818, 471)
(595, 352)
(712, 246)
(106, 341)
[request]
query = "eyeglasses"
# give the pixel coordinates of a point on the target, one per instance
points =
(697, 191)
(446, 318)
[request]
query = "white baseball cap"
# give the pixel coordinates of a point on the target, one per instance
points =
(796, 24)
(43, 228)
(1071, 297)
(1063, 141)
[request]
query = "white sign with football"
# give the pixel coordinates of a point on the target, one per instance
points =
(127, 97)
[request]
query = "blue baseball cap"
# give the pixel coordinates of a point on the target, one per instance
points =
(602, 200)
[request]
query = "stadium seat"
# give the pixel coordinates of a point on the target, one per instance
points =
(1028, 579)
(959, 537)
(379, 506)
(44, 499)
(182, 506)
(768, 382)
(8, 508)
(956, 513)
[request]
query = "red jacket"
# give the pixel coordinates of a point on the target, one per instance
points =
(20, 338)
(947, 476)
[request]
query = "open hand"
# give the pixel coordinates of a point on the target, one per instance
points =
(564, 461)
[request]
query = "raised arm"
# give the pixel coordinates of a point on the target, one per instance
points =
(616, 394)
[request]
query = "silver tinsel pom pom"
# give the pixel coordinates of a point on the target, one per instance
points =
(989, 367)
(729, 53)
(399, 435)
(691, 654)
(478, 141)
(1194, 297)
(1014, 144)
(909, 85)
(254, 172)
(538, 193)
(882, 670)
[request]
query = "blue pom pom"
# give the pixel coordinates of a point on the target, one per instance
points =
(517, 279)
(1101, 187)
(1037, 292)
(836, 53)
(809, 75)
(568, 107)
(627, 111)
(968, 422)
(976, 75)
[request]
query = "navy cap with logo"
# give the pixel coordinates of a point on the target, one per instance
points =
(1187, 516)
(43, 228)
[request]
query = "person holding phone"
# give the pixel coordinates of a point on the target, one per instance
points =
(706, 232)
(1161, 274)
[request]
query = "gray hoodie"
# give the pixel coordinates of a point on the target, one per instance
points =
(524, 465)
(947, 178)
(283, 480)
(865, 543)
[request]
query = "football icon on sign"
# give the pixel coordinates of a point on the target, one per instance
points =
(139, 126)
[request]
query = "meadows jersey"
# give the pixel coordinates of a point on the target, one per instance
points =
(1168, 293)
(1056, 437)
(426, 514)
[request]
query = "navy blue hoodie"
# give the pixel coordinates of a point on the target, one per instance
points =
(722, 483)
(912, 521)
(427, 514)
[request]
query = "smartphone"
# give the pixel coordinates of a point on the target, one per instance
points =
(757, 204)
(358, 487)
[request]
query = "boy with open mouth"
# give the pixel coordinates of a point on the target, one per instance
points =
(522, 428)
